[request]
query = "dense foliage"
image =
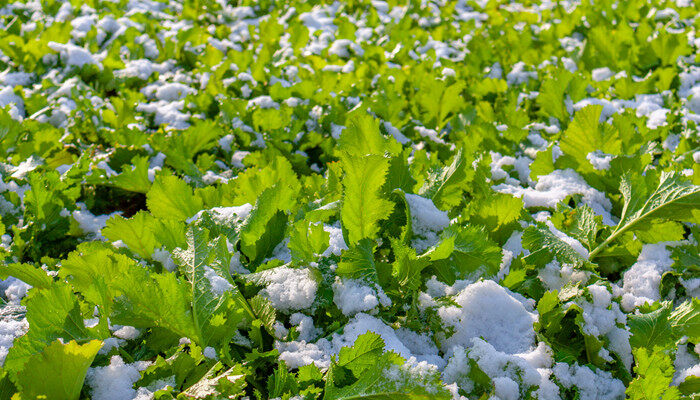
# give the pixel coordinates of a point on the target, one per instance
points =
(385, 200)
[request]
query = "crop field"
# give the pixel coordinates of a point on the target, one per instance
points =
(336, 200)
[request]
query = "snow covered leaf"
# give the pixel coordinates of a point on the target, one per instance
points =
(58, 371)
(673, 198)
(654, 375)
(172, 198)
(359, 373)
(230, 383)
(217, 305)
(363, 207)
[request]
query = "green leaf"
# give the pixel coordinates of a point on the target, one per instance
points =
(658, 230)
(687, 258)
(264, 311)
(539, 239)
(172, 198)
(363, 354)
(654, 375)
(58, 371)
(558, 325)
(251, 183)
(154, 300)
(663, 326)
(98, 273)
(585, 226)
(690, 386)
(264, 228)
(129, 293)
(281, 382)
(673, 199)
(543, 164)
(358, 262)
(363, 206)
(215, 313)
(63, 321)
(135, 232)
(144, 233)
(445, 186)
(134, 178)
(651, 329)
(685, 320)
(362, 137)
(586, 134)
(27, 273)
(399, 175)
(360, 373)
(498, 213)
(307, 240)
(407, 267)
(180, 149)
(473, 254)
(551, 97)
(437, 99)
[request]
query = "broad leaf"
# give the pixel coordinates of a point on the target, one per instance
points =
(654, 375)
(540, 239)
(58, 371)
(363, 206)
(172, 198)
(673, 198)
(215, 312)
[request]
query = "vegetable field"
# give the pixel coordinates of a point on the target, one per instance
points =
(386, 200)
